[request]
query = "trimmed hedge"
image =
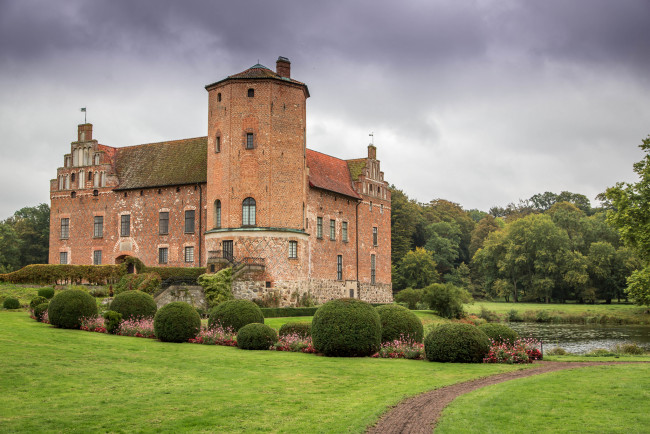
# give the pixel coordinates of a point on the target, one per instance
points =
(302, 329)
(52, 274)
(67, 308)
(176, 272)
(256, 336)
(36, 301)
(11, 303)
(46, 292)
(346, 328)
(134, 304)
(457, 343)
(398, 322)
(40, 310)
(235, 314)
(281, 312)
(176, 322)
(499, 333)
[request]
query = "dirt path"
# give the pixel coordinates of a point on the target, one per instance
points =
(420, 413)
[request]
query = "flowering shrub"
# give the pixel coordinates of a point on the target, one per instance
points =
(402, 348)
(521, 351)
(216, 335)
(45, 318)
(93, 324)
(294, 342)
(137, 327)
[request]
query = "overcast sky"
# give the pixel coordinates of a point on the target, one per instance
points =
(479, 102)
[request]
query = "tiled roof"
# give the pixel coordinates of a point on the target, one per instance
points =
(259, 71)
(161, 164)
(356, 167)
(329, 173)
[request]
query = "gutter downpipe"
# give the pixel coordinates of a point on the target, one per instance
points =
(201, 232)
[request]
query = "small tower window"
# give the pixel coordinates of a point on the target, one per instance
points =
(217, 144)
(72, 177)
(250, 142)
(251, 93)
(219, 97)
(217, 213)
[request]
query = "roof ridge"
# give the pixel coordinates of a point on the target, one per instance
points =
(159, 143)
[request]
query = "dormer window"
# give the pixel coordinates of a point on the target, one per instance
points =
(251, 93)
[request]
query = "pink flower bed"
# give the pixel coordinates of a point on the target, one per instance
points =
(94, 324)
(295, 343)
(139, 328)
(216, 336)
(522, 351)
(403, 348)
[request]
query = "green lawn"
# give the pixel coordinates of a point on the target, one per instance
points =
(22, 293)
(68, 380)
(598, 399)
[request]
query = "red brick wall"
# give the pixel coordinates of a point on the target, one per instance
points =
(273, 173)
(144, 240)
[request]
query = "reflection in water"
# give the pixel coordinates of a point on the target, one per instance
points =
(582, 338)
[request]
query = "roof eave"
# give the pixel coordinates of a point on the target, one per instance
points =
(209, 87)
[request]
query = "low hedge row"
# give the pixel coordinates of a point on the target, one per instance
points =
(176, 272)
(281, 312)
(52, 274)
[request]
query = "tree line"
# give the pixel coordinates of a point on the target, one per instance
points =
(25, 238)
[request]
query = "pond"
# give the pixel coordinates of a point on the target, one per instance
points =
(582, 338)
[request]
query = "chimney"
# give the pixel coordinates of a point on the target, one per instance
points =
(85, 132)
(283, 67)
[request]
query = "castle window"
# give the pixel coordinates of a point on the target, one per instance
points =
(251, 93)
(96, 159)
(72, 177)
(63, 257)
(219, 97)
(381, 208)
(162, 255)
(248, 212)
(189, 221)
(344, 231)
(370, 206)
(98, 226)
(293, 249)
(90, 176)
(374, 236)
(217, 213)
(163, 223)
(339, 267)
(372, 269)
(95, 192)
(332, 230)
(97, 257)
(125, 225)
(65, 228)
(189, 254)
(319, 227)
(217, 144)
(250, 141)
(73, 194)
(96, 179)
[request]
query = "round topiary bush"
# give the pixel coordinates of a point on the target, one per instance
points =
(456, 342)
(134, 304)
(176, 322)
(397, 322)
(346, 328)
(67, 308)
(11, 303)
(256, 336)
(46, 292)
(112, 321)
(40, 310)
(235, 314)
(302, 329)
(36, 301)
(499, 333)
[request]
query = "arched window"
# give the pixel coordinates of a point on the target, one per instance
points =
(96, 180)
(67, 182)
(217, 213)
(81, 179)
(248, 212)
(103, 180)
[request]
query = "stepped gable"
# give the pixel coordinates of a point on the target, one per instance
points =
(329, 173)
(178, 162)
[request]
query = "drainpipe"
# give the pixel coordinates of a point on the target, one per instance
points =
(200, 226)
(357, 242)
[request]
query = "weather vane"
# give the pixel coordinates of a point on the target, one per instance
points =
(83, 109)
(372, 141)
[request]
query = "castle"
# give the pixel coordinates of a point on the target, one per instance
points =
(250, 194)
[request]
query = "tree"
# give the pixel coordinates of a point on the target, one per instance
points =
(446, 299)
(482, 229)
(31, 236)
(9, 250)
(417, 269)
(631, 215)
(405, 218)
(444, 244)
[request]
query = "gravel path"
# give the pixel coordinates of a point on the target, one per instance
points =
(420, 413)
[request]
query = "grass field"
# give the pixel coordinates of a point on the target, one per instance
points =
(612, 399)
(69, 380)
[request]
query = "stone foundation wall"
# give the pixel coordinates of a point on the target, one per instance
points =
(193, 295)
(287, 293)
